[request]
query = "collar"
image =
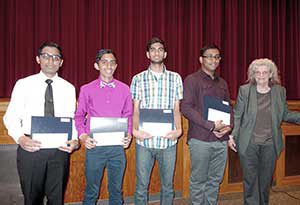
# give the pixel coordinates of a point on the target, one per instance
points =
(44, 77)
(151, 71)
(110, 84)
(206, 76)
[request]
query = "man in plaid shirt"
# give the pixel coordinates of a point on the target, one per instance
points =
(156, 88)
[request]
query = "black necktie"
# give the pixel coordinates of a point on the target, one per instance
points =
(49, 106)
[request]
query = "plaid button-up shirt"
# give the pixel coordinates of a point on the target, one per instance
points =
(157, 92)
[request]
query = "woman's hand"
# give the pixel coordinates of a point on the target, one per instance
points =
(231, 143)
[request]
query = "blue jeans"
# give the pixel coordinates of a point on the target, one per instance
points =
(144, 158)
(111, 157)
(208, 160)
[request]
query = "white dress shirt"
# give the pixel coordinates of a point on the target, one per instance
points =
(28, 98)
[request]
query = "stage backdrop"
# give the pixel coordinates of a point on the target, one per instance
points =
(243, 29)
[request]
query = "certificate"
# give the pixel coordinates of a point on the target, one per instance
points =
(53, 140)
(216, 109)
(52, 132)
(108, 131)
(157, 122)
(215, 115)
(157, 129)
(109, 138)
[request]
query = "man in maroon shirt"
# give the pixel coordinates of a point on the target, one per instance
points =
(207, 139)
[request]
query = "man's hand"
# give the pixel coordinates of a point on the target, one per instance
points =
(231, 143)
(29, 144)
(222, 131)
(173, 135)
(89, 142)
(126, 141)
(219, 125)
(71, 145)
(141, 135)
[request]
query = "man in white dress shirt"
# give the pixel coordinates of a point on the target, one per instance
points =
(42, 172)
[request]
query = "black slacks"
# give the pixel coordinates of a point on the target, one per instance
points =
(43, 173)
(258, 165)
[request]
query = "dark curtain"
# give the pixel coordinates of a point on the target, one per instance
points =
(244, 30)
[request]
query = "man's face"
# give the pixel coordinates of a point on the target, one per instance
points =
(156, 53)
(210, 60)
(107, 66)
(50, 61)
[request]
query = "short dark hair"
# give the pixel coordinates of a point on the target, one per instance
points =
(50, 44)
(101, 52)
(207, 47)
(155, 40)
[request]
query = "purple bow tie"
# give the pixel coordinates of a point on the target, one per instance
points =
(110, 85)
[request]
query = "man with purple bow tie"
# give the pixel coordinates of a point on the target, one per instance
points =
(110, 98)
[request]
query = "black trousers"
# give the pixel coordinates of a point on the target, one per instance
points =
(43, 173)
(258, 165)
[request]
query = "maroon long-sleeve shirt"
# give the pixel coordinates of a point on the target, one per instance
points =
(196, 86)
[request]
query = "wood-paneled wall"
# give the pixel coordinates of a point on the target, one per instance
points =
(231, 182)
(76, 183)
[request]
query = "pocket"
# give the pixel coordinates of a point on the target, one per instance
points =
(219, 92)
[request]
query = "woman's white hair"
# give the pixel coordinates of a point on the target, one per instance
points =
(274, 79)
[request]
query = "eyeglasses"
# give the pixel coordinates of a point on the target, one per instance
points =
(263, 73)
(106, 62)
(46, 56)
(213, 57)
(160, 50)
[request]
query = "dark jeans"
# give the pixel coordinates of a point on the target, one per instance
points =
(43, 173)
(258, 165)
(111, 157)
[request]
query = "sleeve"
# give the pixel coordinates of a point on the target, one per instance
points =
(74, 131)
(127, 111)
(289, 116)
(135, 89)
(227, 98)
(188, 105)
(81, 112)
(13, 116)
(238, 111)
(179, 88)
(72, 111)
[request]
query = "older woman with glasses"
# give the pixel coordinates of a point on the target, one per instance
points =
(260, 108)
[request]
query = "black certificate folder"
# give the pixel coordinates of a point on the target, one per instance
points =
(157, 122)
(52, 132)
(157, 115)
(50, 125)
(216, 109)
